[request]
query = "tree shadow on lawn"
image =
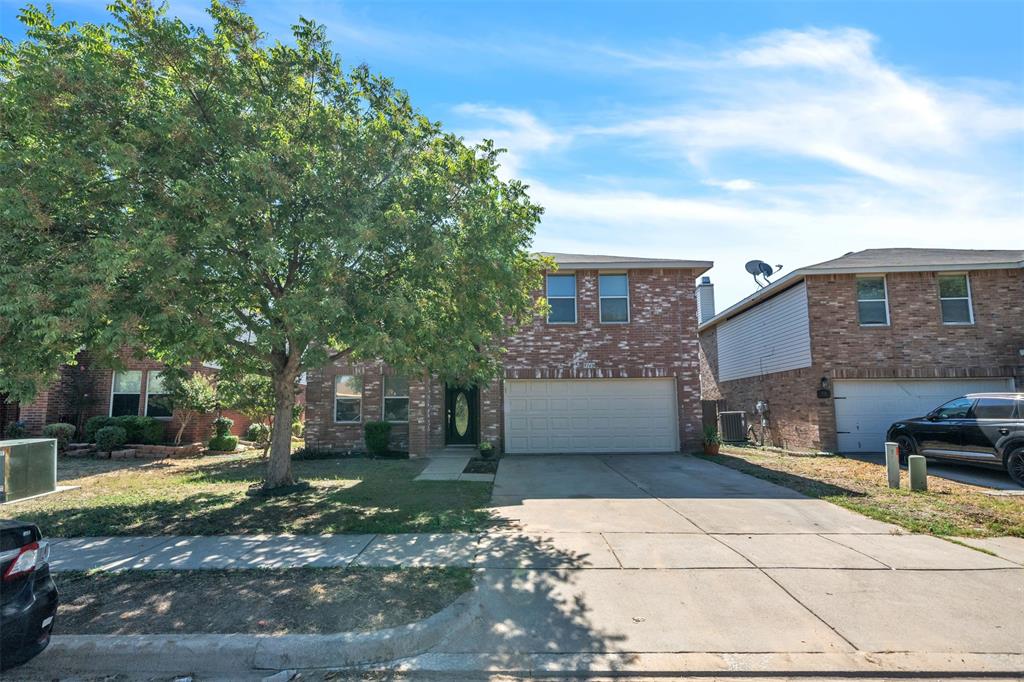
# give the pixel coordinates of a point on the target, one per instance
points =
(806, 486)
(357, 508)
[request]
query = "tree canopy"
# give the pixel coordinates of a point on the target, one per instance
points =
(213, 195)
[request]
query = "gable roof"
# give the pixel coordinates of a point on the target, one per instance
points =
(584, 261)
(881, 261)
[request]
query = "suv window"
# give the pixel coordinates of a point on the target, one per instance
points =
(993, 408)
(954, 409)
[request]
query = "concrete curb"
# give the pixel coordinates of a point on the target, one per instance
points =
(858, 664)
(219, 654)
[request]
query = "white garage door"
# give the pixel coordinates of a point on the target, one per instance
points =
(866, 409)
(590, 415)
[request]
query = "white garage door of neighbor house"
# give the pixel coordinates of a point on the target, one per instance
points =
(866, 409)
(590, 415)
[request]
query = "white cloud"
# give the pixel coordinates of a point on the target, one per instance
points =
(734, 185)
(520, 132)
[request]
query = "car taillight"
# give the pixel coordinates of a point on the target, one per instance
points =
(32, 556)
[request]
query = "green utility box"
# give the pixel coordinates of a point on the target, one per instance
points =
(29, 467)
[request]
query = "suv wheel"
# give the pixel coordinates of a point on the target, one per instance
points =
(906, 448)
(1015, 465)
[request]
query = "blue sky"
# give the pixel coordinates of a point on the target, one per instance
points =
(790, 132)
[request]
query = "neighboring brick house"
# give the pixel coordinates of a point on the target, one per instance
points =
(613, 368)
(839, 350)
(89, 389)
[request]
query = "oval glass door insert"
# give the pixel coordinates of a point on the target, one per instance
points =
(461, 414)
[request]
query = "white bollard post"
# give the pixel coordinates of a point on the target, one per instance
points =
(892, 464)
(918, 473)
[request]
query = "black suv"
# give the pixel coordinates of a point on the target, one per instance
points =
(986, 429)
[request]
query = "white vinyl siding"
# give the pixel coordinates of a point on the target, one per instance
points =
(590, 415)
(771, 337)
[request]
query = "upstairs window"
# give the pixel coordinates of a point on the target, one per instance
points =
(561, 295)
(125, 393)
(872, 302)
(157, 403)
(614, 298)
(955, 299)
(396, 399)
(348, 399)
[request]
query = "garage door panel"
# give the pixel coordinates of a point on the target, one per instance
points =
(866, 409)
(595, 415)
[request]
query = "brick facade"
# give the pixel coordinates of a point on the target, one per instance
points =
(915, 345)
(659, 341)
(94, 382)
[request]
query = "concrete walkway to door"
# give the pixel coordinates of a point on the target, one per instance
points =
(662, 554)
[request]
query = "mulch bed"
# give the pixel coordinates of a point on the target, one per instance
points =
(478, 465)
(279, 601)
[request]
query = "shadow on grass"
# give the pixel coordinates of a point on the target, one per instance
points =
(368, 497)
(806, 486)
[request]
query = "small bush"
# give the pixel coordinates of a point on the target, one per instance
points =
(258, 433)
(16, 430)
(224, 443)
(110, 437)
(144, 430)
(93, 425)
(297, 429)
(378, 436)
(222, 426)
(62, 432)
(711, 436)
(313, 453)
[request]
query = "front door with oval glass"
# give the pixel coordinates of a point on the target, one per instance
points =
(461, 415)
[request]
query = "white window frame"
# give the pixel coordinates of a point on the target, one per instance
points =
(145, 401)
(576, 293)
(334, 405)
(601, 297)
(885, 289)
(385, 398)
(970, 298)
(113, 384)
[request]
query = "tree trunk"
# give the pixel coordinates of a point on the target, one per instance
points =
(184, 422)
(279, 465)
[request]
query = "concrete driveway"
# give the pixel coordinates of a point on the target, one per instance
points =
(634, 556)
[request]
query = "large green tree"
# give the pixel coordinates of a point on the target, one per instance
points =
(208, 194)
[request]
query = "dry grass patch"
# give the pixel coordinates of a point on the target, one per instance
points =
(273, 602)
(948, 508)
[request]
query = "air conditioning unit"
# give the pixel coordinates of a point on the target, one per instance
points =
(29, 467)
(732, 426)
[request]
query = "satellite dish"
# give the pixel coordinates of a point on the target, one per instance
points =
(760, 268)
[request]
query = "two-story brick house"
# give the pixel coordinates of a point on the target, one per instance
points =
(613, 368)
(838, 351)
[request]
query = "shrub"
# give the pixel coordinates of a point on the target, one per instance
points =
(486, 450)
(297, 429)
(224, 443)
(62, 432)
(144, 430)
(16, 430)
(93, 425)
(222, 426)
(258, 433)
(315, 452)
(110, 437)
(378, 436)
(711, 436)
(189, 397)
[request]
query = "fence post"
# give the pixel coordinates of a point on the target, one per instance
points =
(892, 464)
(918, 473)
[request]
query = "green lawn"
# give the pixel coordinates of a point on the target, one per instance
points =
(948, 508)
(206, 496)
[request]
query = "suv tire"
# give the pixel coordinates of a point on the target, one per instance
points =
(906, 448)
(1015, 464)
